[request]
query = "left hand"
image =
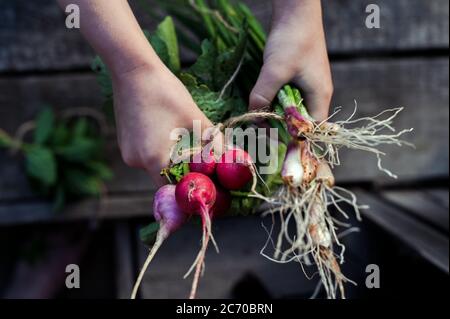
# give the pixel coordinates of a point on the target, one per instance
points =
(296, 52)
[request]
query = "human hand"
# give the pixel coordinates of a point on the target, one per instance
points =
(296, 52)
(149, 103)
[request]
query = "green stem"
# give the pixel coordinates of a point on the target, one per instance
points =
(204, 11)
(7, 141)
(291, 97)
(239, 194)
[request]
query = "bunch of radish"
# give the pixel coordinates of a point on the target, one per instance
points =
(309, 185)
(204, 191)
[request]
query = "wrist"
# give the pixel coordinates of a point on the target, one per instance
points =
(134, 60)
(289, 11)
(122, 73)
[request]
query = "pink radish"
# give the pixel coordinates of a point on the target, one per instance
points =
(170, 218)
(223, 202)
(204, 163)
(234, 170)
(195, 194)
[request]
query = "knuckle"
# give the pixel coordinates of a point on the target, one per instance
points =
(258, 100)
(328, 90)
(277, 70)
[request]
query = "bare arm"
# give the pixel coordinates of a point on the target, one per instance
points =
(111, 29)
(149, 101)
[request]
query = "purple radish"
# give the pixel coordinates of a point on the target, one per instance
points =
(170, 218)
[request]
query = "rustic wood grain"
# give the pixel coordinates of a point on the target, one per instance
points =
(418, 85)
(429, 243)
(424, 204)
(33, 35)
(124, 272)
(113, 207)
(241, 239)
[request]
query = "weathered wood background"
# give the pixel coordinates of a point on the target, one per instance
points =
(404, 63)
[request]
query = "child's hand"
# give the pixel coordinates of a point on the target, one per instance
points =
(296, 52)
(149, 103)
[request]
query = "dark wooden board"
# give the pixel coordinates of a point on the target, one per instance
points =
(33, 35)
(418, 85)
(239, 239)
(124, 272)
(429, 243)
(112, 207)
(427, 205)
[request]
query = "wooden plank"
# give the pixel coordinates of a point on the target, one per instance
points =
(33, 35)
(113, 207)
(418, 85)
(124, 262)
(404, 25)
(423, 204)
(429, 243)
(45, 278)
(238, 239)
(421, 86)
(440, 196)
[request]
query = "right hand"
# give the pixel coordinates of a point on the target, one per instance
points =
(149, 102)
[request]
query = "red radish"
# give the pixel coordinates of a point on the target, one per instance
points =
(204, 163)
(223, 202)
(170, 218)
(234, 170)
(195, 193)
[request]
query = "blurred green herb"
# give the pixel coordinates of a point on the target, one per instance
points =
(64, 159)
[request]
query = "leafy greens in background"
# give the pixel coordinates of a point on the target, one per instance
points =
(64, 158)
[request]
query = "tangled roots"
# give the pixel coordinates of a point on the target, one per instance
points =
(367, 135)
(309, 233)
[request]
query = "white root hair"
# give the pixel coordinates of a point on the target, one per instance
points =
(312, 231)
(329, 139)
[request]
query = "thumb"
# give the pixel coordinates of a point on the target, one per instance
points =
(266, 87)
(317, 91)
(318, 102)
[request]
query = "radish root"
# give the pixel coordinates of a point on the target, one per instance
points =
(329, 138)
(160, 237)
(314, 237)
(199, 262)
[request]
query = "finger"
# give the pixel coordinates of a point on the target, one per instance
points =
(317, 98)
(266, 87)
